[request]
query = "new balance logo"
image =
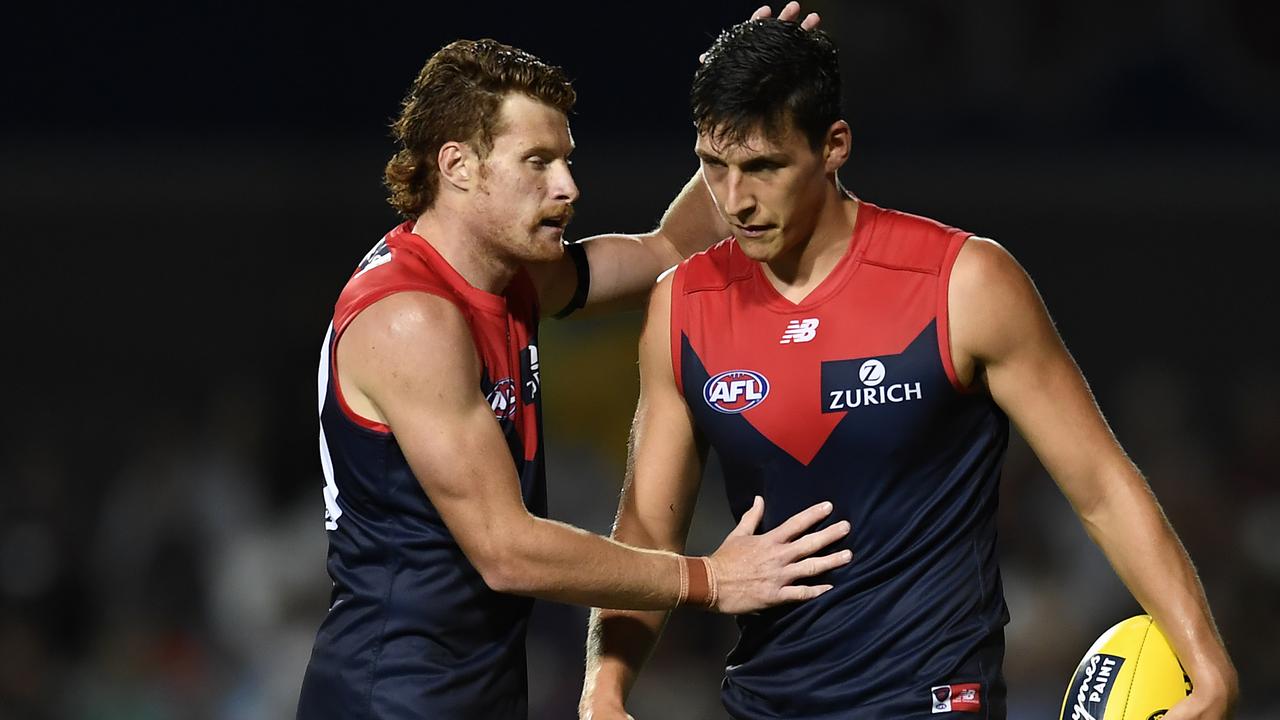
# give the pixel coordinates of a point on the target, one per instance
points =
(800, 331)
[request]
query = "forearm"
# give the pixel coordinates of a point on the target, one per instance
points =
(690, 224)
(619, 642)
(1132, 530)
(555, 561)
(624, 267)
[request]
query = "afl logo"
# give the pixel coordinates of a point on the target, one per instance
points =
(735, 391)
(502, 398)
(871, 373)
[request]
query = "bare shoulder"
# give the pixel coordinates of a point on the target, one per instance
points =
(405, 336)
(984, 267)
(993, 302)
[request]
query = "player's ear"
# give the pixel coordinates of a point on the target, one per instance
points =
(837, 146)
(458, 164)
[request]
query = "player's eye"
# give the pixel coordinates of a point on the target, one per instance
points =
(757, 166)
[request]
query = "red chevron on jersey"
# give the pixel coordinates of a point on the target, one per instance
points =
(767, 357)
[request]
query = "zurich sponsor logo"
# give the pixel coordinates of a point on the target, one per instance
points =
(839, 396)
(735, 391)
(871, 373)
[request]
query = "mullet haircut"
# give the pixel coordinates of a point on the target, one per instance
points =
(458, 97)
(760, 74)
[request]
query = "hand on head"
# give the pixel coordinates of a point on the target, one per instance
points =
(789, 13)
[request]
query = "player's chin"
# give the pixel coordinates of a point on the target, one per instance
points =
(546, 243)
(760, 249)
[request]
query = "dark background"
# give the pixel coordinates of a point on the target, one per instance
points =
(185, 187)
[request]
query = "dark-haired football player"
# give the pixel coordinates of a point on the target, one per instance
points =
(835, 349)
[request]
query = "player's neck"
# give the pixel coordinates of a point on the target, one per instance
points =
(469, 255)
(800, 269)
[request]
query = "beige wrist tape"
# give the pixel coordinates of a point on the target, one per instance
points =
(697, 582)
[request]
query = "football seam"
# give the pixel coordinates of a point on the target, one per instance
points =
(1136, 658)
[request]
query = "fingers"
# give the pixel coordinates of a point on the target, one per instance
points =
(815, 541)
(790, 12)
(796, 593)
(801, 521)
(811, 566)
(751, 518)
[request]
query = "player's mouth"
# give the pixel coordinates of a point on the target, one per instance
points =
(752, 231)
(557, 222)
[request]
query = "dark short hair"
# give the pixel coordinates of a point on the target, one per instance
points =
(760, 74)
(458, 97)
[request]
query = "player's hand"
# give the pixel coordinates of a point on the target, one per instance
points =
(1208, 701)
(754, 572)
(789, 13)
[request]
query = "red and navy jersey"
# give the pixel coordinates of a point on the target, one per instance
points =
(413, 631)
(850, 396)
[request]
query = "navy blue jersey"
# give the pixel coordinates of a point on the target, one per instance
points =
(412, 629)
(850, 396)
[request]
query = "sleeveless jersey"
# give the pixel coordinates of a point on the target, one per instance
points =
(850, 396)
(412, 629)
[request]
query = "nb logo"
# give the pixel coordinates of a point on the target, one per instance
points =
(800, 331)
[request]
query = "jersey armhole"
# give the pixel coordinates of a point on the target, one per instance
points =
(944, 318)
(677, 328)
(340, 328)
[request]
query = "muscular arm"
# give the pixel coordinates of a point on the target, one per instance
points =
(1004, 341)
(408, 361)
(623, 267)
(664, 470)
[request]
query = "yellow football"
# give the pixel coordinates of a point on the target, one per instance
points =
(1130, 673)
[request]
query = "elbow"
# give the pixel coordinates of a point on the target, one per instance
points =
(503, 569)
(1120, 493)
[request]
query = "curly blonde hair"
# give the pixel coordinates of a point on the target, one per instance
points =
(458, 97)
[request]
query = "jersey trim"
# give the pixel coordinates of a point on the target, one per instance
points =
(677, 326)
(944, 319)
(836, 279)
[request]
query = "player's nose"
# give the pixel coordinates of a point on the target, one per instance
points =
(564, 189)
(738, 202)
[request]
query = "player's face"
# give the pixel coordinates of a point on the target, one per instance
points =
(526, 191)
(769, 190)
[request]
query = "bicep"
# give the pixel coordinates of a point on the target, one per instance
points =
(667, 456)
(417, 363)
(1001, 320)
